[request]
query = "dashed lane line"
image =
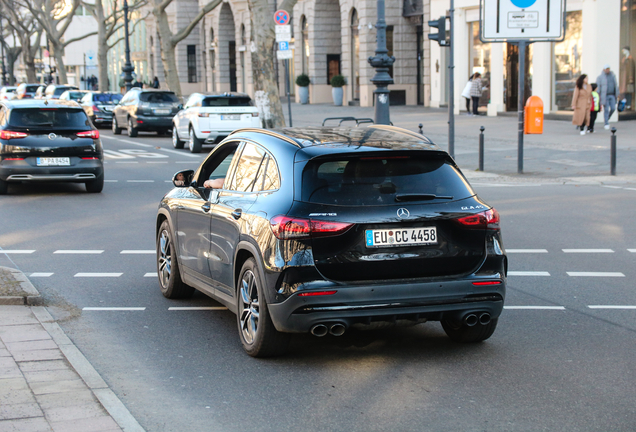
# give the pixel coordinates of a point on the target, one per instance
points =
(561, 308)
(114, 309)
(139, 252)
(526, 250)
(78, 252)
(626, 307)
(41, 274)
(528, 273)
(587, 250)
(197, 308)
(91, 275)
(16, 251)
(140, 181)
(596, 274)
(151, 275)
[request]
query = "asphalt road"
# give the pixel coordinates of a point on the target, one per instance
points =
(562, 357)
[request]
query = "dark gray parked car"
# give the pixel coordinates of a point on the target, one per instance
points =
(145, 110)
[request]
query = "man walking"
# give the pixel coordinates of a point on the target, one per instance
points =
(607, 90)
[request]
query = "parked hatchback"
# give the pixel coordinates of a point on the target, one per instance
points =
(99, 106)
(145, 110)
(320, 230)
(27, 91)
(7, 92)
(73, 95)
(54, 91)
(48, 141)
(207, 119)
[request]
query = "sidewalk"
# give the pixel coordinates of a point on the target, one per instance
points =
(46, 383)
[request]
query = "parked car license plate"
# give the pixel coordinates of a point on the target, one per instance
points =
(162, 111)
(230, 117)
(58, 161)
(401, 237)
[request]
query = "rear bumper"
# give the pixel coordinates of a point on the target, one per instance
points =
(102, 118)
(363, 304)
(152, 123)
(80, 171)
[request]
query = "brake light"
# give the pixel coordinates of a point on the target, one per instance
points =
(13, 159)
(317, 293)
(95, 108)
(89, 134)
(255, 114)
(487, 219)
(487, 283)
(7, 135)
(204, 114)
(287, 228)
(90, 158)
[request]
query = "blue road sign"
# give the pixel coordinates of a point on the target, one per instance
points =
(281, 17)
(283, 46)
(523, 3)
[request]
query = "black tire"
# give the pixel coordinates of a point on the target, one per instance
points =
(170, 282)
(194, 143)
(4, 187)
(176, 142)
(116, 130)
(95, 186)
(132, 131)
(460, 332)
(256, 330)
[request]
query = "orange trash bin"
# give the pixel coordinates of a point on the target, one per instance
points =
(533, 116)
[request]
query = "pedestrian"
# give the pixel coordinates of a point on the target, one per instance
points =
(581, 103)
(596, 107)
(607, 90)
(475, 92)
(466, 93)
(155, 83)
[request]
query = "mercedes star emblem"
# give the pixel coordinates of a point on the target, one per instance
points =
(52, 136)
(403, 213)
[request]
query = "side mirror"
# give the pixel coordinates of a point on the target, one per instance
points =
(183, 178)
(180, 107)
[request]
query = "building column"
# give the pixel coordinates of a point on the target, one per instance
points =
(542, 70)
(461, 56)
(496, 79)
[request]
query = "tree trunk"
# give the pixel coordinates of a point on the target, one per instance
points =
(58, 51)
(168, 56)
(102, 46)
(12, 54)
(263, 70)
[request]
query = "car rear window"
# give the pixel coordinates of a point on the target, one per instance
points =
(106, 98)
(226, 101)
(382, 180)
(158, 97)
(75, 95)
(59, 90)
(55, 118)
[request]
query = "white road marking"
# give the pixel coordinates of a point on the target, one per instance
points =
(526, 251)
(631, 250)
(113, 308)
(151, 275)
(181, 153)
(15, 251)
(148, 251)
(90, 252)
(98, 274)
(611, 307)
(157, 162)
(40, 274)
(528, 273)
(127, 162)
(195, 308)
(112, 154)
(596, 274)
(133, 142)
(188, 162)
(572, 162)
(140, 181)
(630, 189)
(588, 251)
(111, 181)
(535, 307)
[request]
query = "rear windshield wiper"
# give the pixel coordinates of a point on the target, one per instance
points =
(42, 124)
(420, 197)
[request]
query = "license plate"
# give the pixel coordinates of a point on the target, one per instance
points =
(59, 161)
(162, 111)
(401, 237)
(230, 117)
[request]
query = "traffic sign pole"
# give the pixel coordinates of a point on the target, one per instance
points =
(521, 93)
(283, 37)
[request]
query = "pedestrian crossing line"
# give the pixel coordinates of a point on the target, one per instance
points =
(526, 251)
(79, 252)
(42, 274)
(596, 274)
(77, 275)
(181, 153)
(197, 308)
(138, 252)
(561, 308)
(114, 309)
(587, 250)
(528, 273)
(626, 307)
(16, 251)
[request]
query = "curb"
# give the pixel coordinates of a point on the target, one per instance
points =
(26, 294)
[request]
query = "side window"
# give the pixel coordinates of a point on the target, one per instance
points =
(218, 166)
(268, 177)
(247, 169)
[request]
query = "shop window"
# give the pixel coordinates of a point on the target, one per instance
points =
(480, 62)
(627, 72)
(192, 63)
(567, 61)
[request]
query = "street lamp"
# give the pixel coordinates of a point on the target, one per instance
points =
(381, 62)
(128, 68)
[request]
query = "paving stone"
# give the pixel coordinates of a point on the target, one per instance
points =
(42, 365)
(15, 315)
(76, 398)
(75, 413)
(97, 424)
(14, 347)
(38, 424)
(37, 355)
(10, 372)
(15, 391)
(22, 333)
(54, 375)
(39, 388)
(4, 352)
(19, 411)
(7, 362)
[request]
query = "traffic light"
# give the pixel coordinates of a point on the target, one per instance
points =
(440, 36)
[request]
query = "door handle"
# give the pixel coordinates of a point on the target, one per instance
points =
(236, 214)
(206, 207)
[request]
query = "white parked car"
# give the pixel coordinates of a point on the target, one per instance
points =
(207, 119)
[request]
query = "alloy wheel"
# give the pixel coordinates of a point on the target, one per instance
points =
(165, 258)
(250, 307)
(191, 140)
(175, 137)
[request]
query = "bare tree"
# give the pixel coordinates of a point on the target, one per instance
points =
(263, 67)
(25, 26)
(108, 24)
(55, 16)
(170, 40)
(11, 53)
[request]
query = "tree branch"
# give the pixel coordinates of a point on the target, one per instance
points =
(186, 31)
(79, 38)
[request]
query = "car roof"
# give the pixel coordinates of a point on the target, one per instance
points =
(347, 138)
(153, 90)
(40, 103)
(224, 94)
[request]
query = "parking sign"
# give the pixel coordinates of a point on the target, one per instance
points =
(515, 20)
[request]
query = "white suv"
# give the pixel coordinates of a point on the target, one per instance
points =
(212, 117)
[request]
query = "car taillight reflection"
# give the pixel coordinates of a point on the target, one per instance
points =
(7, 135)
(89, 134)
(487, 219)
(287, 228)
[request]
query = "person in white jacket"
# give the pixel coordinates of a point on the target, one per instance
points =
(466, 93)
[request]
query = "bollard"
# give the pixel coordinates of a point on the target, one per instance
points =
(481, 148)
(421, 126)
(613, 153)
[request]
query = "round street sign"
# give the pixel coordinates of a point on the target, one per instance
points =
(281, 17)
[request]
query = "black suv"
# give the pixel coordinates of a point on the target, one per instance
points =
(99, 106)
(51, 141)
(320, 230)
(145, 110)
